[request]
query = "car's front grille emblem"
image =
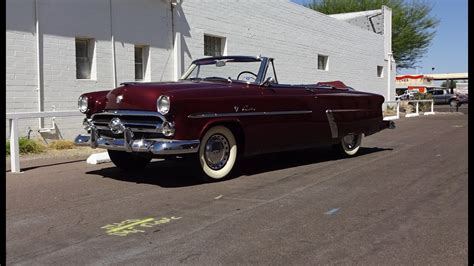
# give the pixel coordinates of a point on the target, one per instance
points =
(116, 125)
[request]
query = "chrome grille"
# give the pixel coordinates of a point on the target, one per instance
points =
(137, 121)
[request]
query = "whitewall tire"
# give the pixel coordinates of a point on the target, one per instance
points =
(217, 153)
(350, 144)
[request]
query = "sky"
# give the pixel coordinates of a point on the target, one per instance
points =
(448, 50)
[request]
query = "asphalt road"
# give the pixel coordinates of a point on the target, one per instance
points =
(402, 201)
(464, 108)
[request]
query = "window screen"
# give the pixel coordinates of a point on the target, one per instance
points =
(139, 69)
(322, 62)
(213, 46)
(83, 58)
(379, 71)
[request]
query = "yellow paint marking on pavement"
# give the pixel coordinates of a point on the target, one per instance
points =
(130, 225)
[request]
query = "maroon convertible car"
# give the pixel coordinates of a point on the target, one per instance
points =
(223, 108)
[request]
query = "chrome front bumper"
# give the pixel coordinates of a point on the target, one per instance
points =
(155, 146)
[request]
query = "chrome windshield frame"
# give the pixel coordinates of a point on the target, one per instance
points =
(264, 63)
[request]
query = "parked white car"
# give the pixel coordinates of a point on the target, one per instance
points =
(407, 95)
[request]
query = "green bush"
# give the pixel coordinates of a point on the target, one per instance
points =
(27, 146)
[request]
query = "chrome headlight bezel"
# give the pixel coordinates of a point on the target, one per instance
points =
(83, 104)
(163, 104)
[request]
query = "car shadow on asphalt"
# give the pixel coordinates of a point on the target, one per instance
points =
(282, 160)
(182, 173)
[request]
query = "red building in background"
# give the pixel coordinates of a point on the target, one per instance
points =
(418, 83)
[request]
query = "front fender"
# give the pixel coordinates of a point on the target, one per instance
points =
(96, 101)
(218, 121)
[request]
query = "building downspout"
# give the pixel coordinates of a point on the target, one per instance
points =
(387, 17)
(39, 63)
(389, 75)
(114, 65)
(177, 53)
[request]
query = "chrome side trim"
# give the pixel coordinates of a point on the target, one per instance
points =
(332, 123)
(209, 115)
(351, 110)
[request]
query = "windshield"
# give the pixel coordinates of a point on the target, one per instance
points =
(224, 69)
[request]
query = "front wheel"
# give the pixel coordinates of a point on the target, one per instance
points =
(129, 161)
(349, 145)
(217, 153)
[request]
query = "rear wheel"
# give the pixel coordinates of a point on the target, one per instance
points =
(129, 161)
(349, 145)
(453, 103)
(217, 153)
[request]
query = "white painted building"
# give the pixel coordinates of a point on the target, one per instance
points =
(57, 50)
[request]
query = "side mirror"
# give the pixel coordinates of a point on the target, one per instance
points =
(268, 81)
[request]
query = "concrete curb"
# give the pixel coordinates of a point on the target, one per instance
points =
(98, 158)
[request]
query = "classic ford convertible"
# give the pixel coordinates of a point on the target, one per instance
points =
(223, 108)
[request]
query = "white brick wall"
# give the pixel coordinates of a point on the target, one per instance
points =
(293, 35)
(145, 22)
(290, 33)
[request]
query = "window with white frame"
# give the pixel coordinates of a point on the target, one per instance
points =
(142, 53)
(84, 58)
(213, 45)
(322, 62)
(380, 71)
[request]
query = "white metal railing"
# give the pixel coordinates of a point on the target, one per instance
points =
(417, 109)
(393, 117)
(14, 144)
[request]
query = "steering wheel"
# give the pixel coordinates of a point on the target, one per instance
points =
(247, 72)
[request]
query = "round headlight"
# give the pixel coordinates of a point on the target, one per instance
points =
(82, 104)
(163, 104)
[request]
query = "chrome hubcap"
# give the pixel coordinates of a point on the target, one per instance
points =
(350, 141)
(217, 152)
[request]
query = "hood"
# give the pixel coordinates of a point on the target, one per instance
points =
(143, 96)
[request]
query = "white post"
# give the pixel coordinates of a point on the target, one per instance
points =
(14, 147)
(432, 109)
(417, 108)
(398, 109)
(413, 114)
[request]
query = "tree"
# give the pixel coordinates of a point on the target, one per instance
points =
(451, 84)
(413, 28)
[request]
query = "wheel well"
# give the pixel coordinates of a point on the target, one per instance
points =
(236, 129)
